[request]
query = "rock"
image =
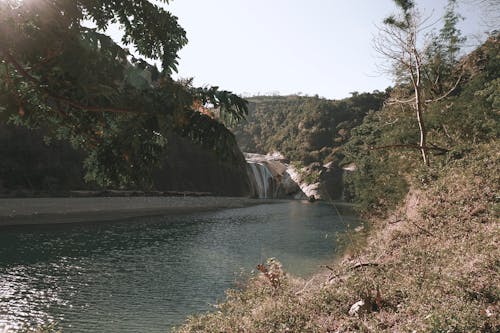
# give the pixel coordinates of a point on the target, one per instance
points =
(300, 196)
(289, 186)
(331, 184)
(307, 189)
(357, 308)
(277, 156)
(191, 167)
(359, 229)
(282, 180)
(328, 165)
(350, 167)
(490, 311)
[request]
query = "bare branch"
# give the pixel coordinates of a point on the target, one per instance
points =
(364, 264)
(448, 93)
(392, 101)
(422, 229)
(442, 150)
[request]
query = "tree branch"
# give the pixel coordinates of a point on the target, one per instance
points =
(393, 101)
(448, 93)
(364, 264)
(442, 150)
(10, 59)
(422, 229)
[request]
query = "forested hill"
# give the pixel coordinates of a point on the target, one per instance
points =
(305, 129)
(430, 262)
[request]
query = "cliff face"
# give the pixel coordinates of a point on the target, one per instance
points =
(190, 167)
(272, 176)
(318, 181)
(28, 166)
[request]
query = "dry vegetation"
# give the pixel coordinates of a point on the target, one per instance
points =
(431, 266)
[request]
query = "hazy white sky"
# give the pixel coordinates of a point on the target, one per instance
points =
(319, 47)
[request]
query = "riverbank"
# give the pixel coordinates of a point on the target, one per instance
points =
(33, 211)
(430, 266)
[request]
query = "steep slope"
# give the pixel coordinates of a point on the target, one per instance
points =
(430, 260)
(30, 167)
(432, 266)
(455, 126)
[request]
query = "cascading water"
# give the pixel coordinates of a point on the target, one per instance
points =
(263, 180)
(270, 177)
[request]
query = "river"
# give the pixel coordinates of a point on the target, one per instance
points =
(149, 274)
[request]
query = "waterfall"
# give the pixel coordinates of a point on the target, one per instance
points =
(263, 180)
(270, 177)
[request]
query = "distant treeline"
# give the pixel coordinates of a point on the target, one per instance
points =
(305, 129)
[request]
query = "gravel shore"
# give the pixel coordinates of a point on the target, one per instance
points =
(22, 211)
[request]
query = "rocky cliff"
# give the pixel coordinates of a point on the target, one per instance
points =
(191, 167)
(28, 166)
(272, 176)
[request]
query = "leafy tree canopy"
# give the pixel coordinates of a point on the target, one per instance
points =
(77, 84)
(459, 123)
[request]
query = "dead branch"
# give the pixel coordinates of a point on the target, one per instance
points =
(434, 147)
(395, 221)
(422, 229)
(327, 267)
(392, 101)
(448, 93)
(364, 264)
(305, 286)
(391, 123)
(446, 132)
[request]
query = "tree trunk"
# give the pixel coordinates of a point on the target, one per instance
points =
(421, 125)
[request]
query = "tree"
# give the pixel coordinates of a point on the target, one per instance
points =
(77, 84)
(441, 54)
(423, 65)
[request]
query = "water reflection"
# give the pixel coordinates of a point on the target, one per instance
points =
(150, 273)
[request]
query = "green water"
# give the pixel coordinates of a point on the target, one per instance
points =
(148, 274)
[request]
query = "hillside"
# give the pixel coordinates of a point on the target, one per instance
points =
(427, 261)
(304, 129)
(431, 266)
(382, 147)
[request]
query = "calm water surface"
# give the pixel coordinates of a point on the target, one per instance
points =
(148, 274)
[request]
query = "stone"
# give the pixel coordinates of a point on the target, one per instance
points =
(357, 307)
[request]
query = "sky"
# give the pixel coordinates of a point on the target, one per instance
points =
(311, 47)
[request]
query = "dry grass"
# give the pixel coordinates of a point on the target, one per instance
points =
(434, 268)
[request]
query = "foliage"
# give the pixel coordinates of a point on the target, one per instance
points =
(441, 56)
(78, 85)
(379, 179)
(444, 217)
(456, 123)
(304, 129)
